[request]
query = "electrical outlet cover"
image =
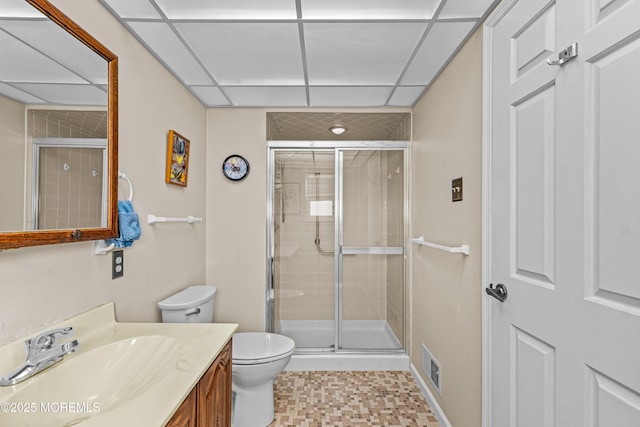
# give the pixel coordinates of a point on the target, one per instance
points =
(117, 264)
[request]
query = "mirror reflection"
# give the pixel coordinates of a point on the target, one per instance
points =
(53, 125)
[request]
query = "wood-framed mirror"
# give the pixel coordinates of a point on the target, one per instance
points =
(58, 129)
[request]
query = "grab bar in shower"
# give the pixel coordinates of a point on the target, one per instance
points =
(462, 249)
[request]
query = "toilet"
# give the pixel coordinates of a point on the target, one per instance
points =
(257, 357)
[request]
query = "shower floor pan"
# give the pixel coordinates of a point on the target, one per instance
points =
(368, 345)
(356, 334)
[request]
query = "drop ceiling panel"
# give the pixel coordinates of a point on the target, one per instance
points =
(267, 96)
(18, 9)
(368, 9)
(464, 9)
(210, 96)
(441, 42)
(21, 63)
(66, 94)
(229, 9)
(406, 95)
(18, 95)
(346, 96)
(140, 9)
(359, 53)
(164, 42)
(370, 46)
(60, 46)
(248, 53)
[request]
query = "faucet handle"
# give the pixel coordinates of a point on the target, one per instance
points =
(45, 340)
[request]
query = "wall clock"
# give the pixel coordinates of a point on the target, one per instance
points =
(235, 167)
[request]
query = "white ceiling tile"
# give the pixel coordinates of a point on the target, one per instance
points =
(406, 96)
(251, 96)
(59, 45)
(18, 95)
(358, 53)
(163, 41)
(369, 9)
(18, 9)
(210, 96)
(21, 63)
(228, 9)
(464, 8)
(140, 9)
(348, 96)
(65, 94)
(249, 53)
(441, 42)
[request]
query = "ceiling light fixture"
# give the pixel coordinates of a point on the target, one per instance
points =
(338, 129)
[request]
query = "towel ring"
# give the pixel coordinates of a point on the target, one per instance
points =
(122, 175)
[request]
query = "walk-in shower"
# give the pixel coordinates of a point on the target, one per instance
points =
(336, 264)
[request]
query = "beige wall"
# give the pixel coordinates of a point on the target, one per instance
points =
(41, 285)
(12, 130)
(446, 288)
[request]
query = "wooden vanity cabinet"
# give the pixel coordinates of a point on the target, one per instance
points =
(209, 403)
(185, 415)
(214, 392)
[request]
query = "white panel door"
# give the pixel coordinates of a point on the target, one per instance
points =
(564, 145)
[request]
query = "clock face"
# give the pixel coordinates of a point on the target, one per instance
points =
(235, 167)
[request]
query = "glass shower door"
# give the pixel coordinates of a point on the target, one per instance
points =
(302, 295)
(337, 247)
(371, 262)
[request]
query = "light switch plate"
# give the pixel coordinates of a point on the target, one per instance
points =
(456, 189)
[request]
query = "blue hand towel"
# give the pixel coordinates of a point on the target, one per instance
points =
(128, 225)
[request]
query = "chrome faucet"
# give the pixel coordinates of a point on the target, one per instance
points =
(41, 354)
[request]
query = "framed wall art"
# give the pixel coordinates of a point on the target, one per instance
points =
(177, 159)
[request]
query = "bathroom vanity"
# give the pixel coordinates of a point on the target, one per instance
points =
(209, 403)
(142, 374)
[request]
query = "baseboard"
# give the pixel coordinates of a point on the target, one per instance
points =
(431, 400)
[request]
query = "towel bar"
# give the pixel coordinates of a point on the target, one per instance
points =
(462, 249)
(152, 219)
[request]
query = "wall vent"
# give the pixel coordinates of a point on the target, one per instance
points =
(431, 369)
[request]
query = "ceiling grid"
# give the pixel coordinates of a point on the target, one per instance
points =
(280, 53)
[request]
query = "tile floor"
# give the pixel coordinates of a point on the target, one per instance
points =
(341, 399)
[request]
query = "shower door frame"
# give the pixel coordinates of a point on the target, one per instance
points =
(337, 147)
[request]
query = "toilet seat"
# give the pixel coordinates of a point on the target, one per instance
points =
(254, 348)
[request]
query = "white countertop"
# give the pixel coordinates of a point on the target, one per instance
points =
(181, 361)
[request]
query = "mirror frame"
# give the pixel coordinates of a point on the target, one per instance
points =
(10, 240)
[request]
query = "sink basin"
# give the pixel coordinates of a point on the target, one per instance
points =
(89, 384)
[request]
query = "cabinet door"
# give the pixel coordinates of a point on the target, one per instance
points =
(214, 392)
(185, 416)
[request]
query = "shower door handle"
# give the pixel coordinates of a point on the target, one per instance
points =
(499, 292)
(272, 292)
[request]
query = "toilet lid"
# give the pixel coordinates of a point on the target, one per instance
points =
(260, 347)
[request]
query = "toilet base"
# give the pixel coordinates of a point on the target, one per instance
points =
(253, 405)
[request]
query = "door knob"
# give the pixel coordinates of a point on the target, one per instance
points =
(499, 292)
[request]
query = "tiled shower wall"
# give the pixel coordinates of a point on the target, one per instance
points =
(395, 237)
(68, 198)
(373, 285)
(305, 284)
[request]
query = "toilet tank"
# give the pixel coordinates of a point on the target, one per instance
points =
(191, 305)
